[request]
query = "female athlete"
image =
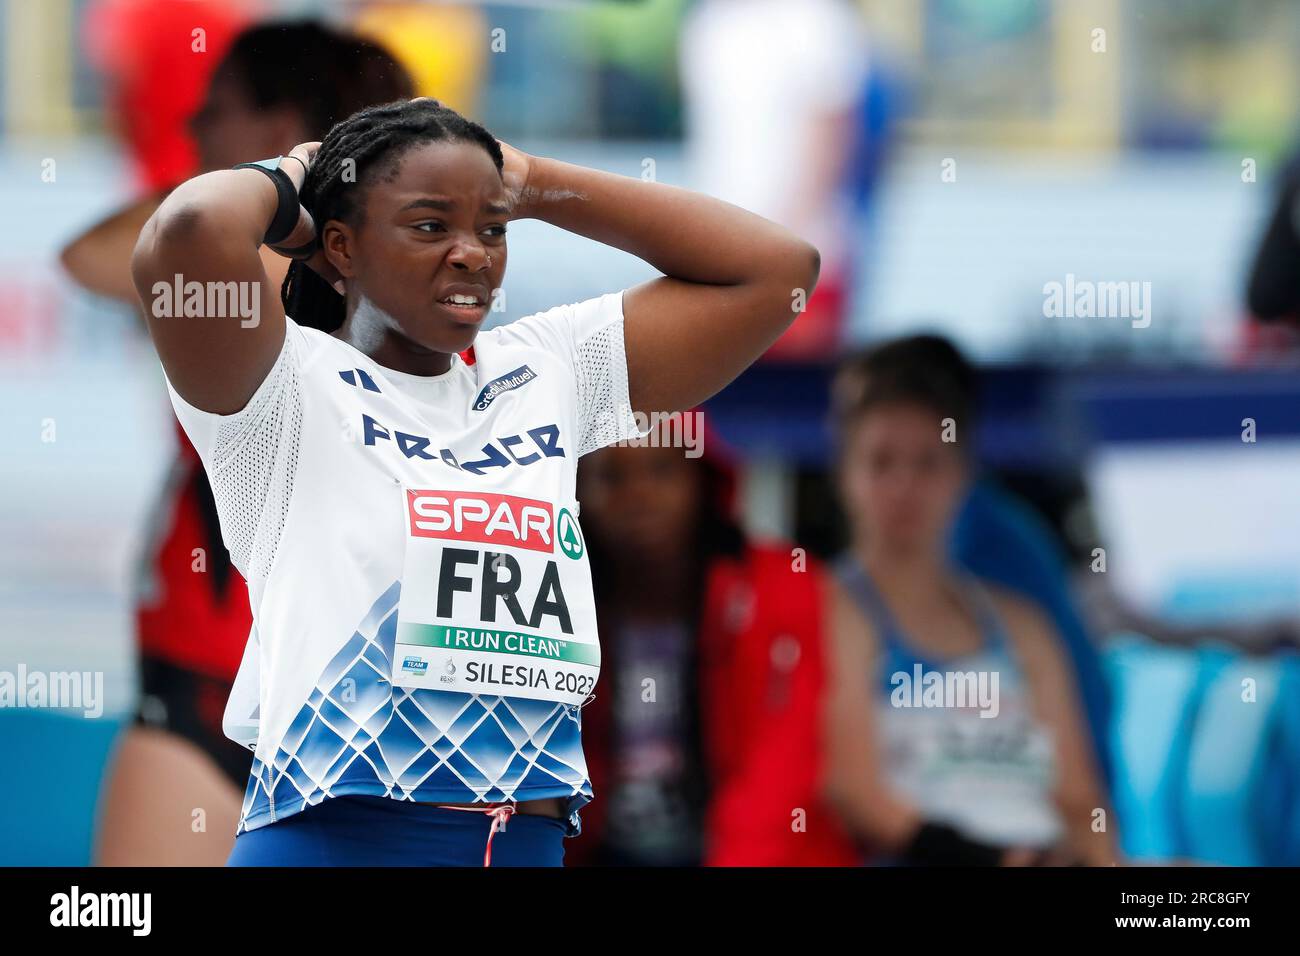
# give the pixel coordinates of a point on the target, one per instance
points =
(955, 730)
(398, 489)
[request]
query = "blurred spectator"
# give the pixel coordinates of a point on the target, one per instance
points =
(773, 104)
(1007, 776)
(278, 85)
(999, 538)
(1273, 290)
(701, 740)
(135, 44)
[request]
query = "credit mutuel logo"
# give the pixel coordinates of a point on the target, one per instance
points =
(511, 380)
(482, 518)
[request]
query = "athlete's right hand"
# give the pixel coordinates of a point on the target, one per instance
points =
(295, 165)
(515, 172)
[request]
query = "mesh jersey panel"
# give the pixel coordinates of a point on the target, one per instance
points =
(603, 404)
(254, 460)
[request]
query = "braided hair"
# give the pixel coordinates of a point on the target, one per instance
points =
(357, 153)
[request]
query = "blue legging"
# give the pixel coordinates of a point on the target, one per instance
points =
(378, 831)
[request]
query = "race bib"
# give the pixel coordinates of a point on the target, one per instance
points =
(496, 598)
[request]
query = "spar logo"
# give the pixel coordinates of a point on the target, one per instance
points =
(511, 380)
(570, 535)
(483, 518)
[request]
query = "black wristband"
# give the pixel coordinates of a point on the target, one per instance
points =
(937, 844)
(305, 251)
(286, 206)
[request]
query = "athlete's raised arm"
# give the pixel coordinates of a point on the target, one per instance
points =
(732, 280)
(216, 319)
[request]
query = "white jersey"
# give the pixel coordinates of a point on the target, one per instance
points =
(424, 626)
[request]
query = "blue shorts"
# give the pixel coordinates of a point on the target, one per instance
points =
(379, 831)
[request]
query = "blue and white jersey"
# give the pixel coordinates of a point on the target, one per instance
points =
(424, 626)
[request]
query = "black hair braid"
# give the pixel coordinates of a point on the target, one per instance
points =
(356, 153)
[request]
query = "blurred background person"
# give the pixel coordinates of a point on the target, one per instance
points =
(1273, 284)
(278, 84)
(774, 92)
(1273, 291)
(134, 43)
(1001, 538)
(1006, 779)
(157, 60)
(249, 108)
(703, 738)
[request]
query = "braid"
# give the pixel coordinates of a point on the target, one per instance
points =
(364, 149)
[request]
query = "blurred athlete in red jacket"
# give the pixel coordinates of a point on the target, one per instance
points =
(703, 738)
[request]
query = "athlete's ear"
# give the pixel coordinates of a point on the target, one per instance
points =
(337, 242)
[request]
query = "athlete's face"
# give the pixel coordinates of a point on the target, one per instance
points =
(430, 249)
(899, 481)
(641, 502)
